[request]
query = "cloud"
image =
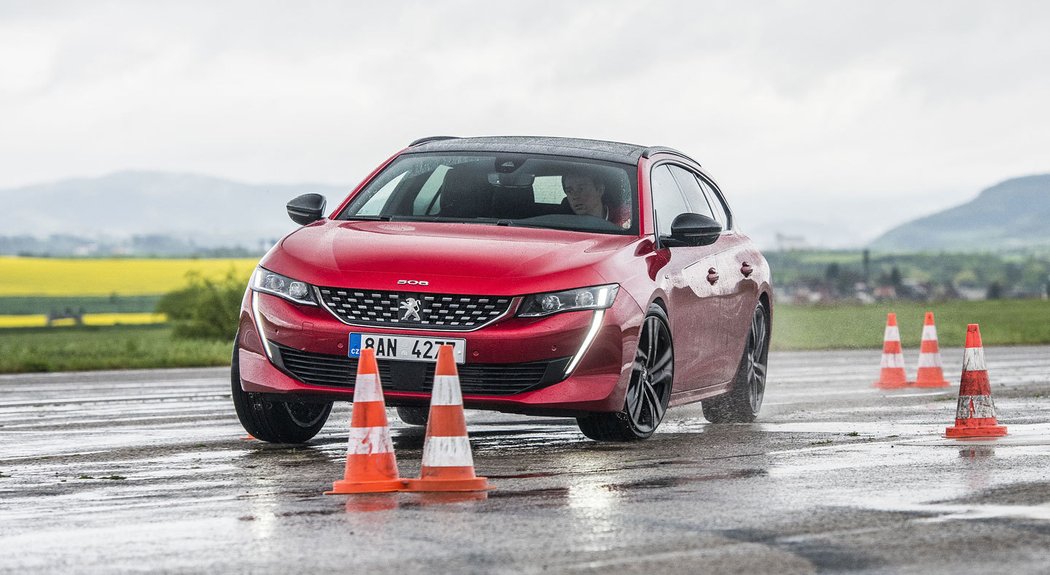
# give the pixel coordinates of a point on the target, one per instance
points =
(839, 104)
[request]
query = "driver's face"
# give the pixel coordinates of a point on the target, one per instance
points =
(585, 198)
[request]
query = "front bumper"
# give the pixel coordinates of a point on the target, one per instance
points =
(515, 365)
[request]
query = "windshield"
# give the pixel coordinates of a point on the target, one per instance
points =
(503, 189)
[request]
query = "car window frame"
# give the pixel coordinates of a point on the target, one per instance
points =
(713, 188)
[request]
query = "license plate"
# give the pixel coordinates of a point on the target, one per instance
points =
(405, 348)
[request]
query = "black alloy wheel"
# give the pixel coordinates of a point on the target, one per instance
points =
(649, 390)
(742, 403)
(274, 420)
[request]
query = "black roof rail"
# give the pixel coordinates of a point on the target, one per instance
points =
(646, 153)
(431, 139)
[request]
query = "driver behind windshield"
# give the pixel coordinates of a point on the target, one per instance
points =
(586, 195)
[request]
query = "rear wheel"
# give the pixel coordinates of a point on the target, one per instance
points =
(648, 392)
(413, 415)
(742, 403)
(274, 420)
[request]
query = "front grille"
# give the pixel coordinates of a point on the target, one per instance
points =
(439, 312)
(475, 378)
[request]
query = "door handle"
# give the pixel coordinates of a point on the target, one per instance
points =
(746, 269)
(712, 276)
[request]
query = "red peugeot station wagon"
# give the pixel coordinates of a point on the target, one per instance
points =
(598, 280)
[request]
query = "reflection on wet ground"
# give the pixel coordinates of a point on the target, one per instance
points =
(107, 478)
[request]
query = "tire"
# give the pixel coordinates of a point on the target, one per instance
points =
(413, 415)
(742, 403)
(649, 390)
(273, 420)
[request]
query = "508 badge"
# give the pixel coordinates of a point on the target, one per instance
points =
(413, 282)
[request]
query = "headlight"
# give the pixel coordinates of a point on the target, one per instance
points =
(264, 280)
(598, 297)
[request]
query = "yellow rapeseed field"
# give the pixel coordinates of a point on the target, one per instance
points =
(40, 320)
(35, 320)
(102, 277)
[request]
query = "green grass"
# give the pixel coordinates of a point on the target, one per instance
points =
(19, 305)
(1004, 322)
(117, 347)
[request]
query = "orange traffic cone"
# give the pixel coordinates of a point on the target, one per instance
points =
(892, 375)
(975, 414)
(447, 462)
(930, 372)
(370, 463)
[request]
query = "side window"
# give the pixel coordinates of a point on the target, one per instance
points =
(547, 190)
(720, 212)
(693, 194)
(668, 202)
(424, 203)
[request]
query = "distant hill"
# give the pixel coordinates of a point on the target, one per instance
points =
(143, 212)
(1012, 215)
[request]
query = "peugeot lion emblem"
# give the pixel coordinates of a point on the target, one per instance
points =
(411, 307)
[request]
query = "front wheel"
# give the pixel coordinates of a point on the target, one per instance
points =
(274, 420)
(742, 402)
(649, 390)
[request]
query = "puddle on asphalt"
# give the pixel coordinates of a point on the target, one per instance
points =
(307, 513)
(374, 502)
(548, 493)
(941, 512)
(673, 481)
(584, 495)
(658, 483)
(860, 428)
(1019, 435)
(976, 512)
(524, 475)
(977, 451)
(423, 499)
(630, 486)
(370, 503)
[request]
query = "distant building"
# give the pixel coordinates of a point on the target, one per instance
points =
(786, 243)
(884, 292)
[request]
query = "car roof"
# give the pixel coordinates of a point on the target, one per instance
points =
(573, 147)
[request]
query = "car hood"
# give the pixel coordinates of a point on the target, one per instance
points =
(449, 257)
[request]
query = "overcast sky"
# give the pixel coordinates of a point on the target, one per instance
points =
(832, 119)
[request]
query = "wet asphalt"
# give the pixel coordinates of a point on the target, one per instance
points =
(150, 471)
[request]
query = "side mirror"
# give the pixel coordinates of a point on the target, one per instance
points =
(695, 229)
(306, 208)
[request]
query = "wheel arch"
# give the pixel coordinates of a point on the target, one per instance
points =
(659, 302)
(766, 299)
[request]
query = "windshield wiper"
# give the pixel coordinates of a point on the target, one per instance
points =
(370, 218)
(436, 219)
(490, 221)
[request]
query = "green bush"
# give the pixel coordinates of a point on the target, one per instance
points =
(205, 309)
(105, 347)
